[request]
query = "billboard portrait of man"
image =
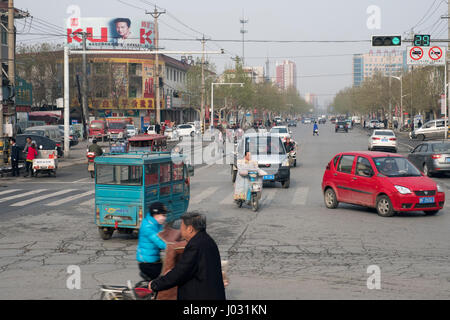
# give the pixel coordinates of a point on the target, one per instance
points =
(123, 30)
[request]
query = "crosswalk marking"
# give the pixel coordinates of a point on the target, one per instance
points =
(89, 203)
(21, 195)
(36, 199)
(301, 195)
(203, 195)
(8, 191)
(65, 200)
(228, 199)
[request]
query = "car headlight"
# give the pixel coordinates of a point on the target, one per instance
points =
(440, 188)
(402, 190)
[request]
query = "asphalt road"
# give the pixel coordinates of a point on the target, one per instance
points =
(292, 248)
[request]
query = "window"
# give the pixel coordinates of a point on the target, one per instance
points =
(177, 172)
(335, 161)
(424, 148)
(119, 175)
(346, 164)
(363, 167)
(440, 123)
(151, 174)
(429, 125)
(164, 169)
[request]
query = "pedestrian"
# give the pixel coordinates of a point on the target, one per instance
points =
(15, 155)
(364, 123)
(419, 124)
(158, 128)
(31, 155)
(150, 244)
(395, 124)
(198, 273)
(27, 145)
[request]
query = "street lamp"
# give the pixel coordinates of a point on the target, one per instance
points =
(401, 98)
(212, 98)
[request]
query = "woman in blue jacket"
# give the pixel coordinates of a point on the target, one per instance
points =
(150, 244)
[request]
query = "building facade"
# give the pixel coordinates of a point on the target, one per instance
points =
(365, 66)
(286, 75)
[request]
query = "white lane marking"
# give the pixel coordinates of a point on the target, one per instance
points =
(82, 180)
(65, 200)
(89, 203)
(203, 195)
(36, 199)
(228, 199)
(8, 191)
(22, 195)
(300, 197)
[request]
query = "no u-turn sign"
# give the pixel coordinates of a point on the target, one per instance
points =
(426, 55)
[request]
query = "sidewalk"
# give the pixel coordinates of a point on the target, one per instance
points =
(77, 155)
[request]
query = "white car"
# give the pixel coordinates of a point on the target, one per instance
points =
(376, 124)
(151, 129)
(172, 134)
(384, 140)
(282, 131)
(186, 130)
(131, 130)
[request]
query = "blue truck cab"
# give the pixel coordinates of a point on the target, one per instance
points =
(127, 184)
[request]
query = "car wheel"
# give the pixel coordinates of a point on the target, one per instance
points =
(192, 134)
(330, 199)
(427, 171)
(384, 206)
(421, 137)
(431, 213)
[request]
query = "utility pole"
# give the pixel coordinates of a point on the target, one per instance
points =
(84, 90)
(202, 103)
(448, 73)
(156, 14)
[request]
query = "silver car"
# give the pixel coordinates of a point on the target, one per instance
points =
(270, 152)
(431, 157)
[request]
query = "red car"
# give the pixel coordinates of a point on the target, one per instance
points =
(385, 181)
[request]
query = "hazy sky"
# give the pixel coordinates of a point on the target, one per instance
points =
(268, 20)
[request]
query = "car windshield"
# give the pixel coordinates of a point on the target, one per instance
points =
(36, 132)
(264, 145)
(441, 147)
(396, 167)
(116, 125)
(341, 123)
(97, 125)
(279, 130)
(130, 127)
(383, 133)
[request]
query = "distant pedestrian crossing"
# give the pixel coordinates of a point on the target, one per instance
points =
(18, 198)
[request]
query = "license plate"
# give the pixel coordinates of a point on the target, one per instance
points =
(426, 200)
(340, 126)
(269, 177)
(384, 140)
(447, 160)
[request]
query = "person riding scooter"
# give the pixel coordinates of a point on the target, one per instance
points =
(315, 129)
(94, 147)
(290, 146)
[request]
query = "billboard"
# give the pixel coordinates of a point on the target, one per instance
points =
(111, 33)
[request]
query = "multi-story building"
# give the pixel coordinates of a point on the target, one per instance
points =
(312, 99)
(390, 62)
(123, 86)
(286, 75)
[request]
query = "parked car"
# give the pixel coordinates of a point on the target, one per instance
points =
(73, 135)
(270, 152)
(151, 129)
(383, 140)
(341, 126)
(131, 130)
(172, 133)
(186, 130)
(51, 132)
(434, 129)
(431, 157)
(390, 183)
(42, 143)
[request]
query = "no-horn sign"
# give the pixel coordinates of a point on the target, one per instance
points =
(425, 55)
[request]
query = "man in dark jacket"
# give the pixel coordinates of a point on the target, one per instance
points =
(15, 154)
(198, 274)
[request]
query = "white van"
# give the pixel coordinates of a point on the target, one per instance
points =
(434, 129)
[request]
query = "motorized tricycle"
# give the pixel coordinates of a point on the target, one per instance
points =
(45, 162)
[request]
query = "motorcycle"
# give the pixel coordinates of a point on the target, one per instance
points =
(316, 132)
(253, 192)
(293, 158)
(139, 291)
(91, 167)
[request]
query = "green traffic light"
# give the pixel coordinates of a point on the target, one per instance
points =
(395, 41)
